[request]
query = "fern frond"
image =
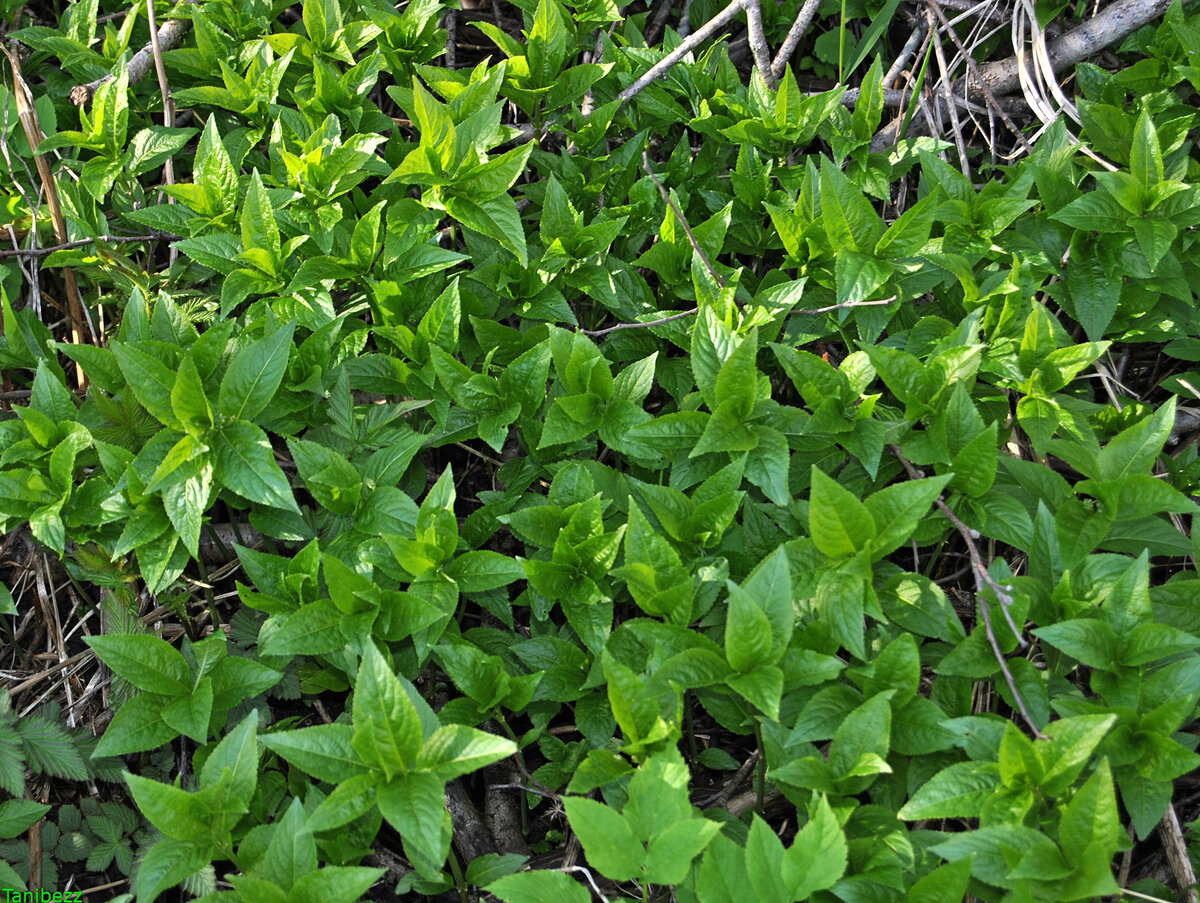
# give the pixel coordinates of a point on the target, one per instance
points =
(49, 749)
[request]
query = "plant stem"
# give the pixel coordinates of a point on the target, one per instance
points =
(459, 881)
(760, 771)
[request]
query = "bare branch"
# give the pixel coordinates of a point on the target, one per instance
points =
(682, 221)
(993, 103)
(79, 243)
(168, 37)
(659, 69)
(758, 43)
(803, 19)
(906, 54)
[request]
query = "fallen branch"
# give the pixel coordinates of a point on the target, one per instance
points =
(758, 43)
(662, 189)
(82, 242)
(1177, 855)
(27, 114)
(1116, 21)
(659, 69)
(1113, 23)
(642, 324)
(990, 95)
(168, 37)
(803, 19)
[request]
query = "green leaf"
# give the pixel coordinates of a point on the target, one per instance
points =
(254, 375)
(1145, 155)
(658, 795)
(947, 884)
(168, 862)
(840, 524)
(765, 864)
(498, 219)
(896, 510)
(387, 731)
(350, 800)
(292, 852)
(245, 464)
(867, 729)
(414, 804)
(175, 812)
(18, 815)
(190, 714)
(145, 661)
(670, 854)
(456, 749)
(324, 751)
(748, 638)
(958, 791)
(213, 170)
(237, 756)
(737, 380)
(136, 727)
(1087, 640)
(259, 230)
(483, 570)
(1091, 820)
(188, 400)
(541, 886)
(609, 842)
(817, 857)
(335, 884)
(310, 630)
(150, 379)
(1134, 450)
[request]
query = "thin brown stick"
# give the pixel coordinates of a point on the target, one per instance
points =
(988, 94)
(983, 579)
(659, 69)
(944, 83)
(168, 102)
(758, 43)
(80, 243)
(914, 41)
(27, 114)
(661, 13)
(695, 310)
(662, 189)
(732, 784)
(167, 38)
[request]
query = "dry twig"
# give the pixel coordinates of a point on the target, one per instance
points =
(27, 114)
(166, 38)
(983, 580)
(659, 69)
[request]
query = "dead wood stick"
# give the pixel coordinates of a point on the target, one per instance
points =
(1116, 21)
(659, 69)
(140, 63)
(27, 113)
(803, 19)
(758, 43)
(1177, 854)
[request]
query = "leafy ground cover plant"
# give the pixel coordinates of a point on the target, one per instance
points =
(569, 450)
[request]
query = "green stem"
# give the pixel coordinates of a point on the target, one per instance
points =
(459, 881)
(760, 771)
